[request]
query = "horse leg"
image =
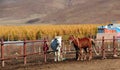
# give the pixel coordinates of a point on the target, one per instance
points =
(55, 56)
(80, 56)
(59, 59)
(90, 53)
(59, 54)
(77, 51)
(85, 55)
(77, 54)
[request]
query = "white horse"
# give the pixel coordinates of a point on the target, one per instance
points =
(56, 45)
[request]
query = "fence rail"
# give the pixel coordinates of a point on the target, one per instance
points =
(43, 42)
(25, 42)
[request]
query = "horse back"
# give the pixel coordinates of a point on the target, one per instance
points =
(85, 42)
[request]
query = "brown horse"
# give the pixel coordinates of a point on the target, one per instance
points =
(80, 44)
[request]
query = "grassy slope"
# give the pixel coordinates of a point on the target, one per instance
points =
(58, 11)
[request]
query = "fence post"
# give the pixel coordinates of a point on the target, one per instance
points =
(24, 51)
(114, 48)
(103, 49)
(2, 53)
(45, 48)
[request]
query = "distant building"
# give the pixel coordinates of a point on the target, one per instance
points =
(110, 28)
(108, 31)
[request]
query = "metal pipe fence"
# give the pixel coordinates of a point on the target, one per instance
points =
(33, 47)
(23, 51)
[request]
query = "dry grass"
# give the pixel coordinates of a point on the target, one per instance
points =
(33, 32)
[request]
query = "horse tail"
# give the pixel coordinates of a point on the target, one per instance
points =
(93, 46)
(92, 42)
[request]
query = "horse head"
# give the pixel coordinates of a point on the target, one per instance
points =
(71, 37)
(74, 40)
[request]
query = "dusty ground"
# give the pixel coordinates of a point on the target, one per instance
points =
(70, 64)
(74, 65)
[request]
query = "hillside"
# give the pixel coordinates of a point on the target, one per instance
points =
(58, 11)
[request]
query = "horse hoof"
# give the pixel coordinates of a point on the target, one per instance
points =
(85, 59)
(104, 57)
(115, 56)
(89, 59)
(78, 59)
(97, 54)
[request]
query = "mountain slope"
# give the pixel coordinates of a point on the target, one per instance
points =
(59, 11)
(97, 11)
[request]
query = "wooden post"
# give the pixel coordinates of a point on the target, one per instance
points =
(24, 51)
(45, 57)
(114, 48)
(45, 52)
(2, 53)
(103, 49)
(45, 48)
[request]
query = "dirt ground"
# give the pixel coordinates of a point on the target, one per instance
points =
(108, 64)
(69, 64)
